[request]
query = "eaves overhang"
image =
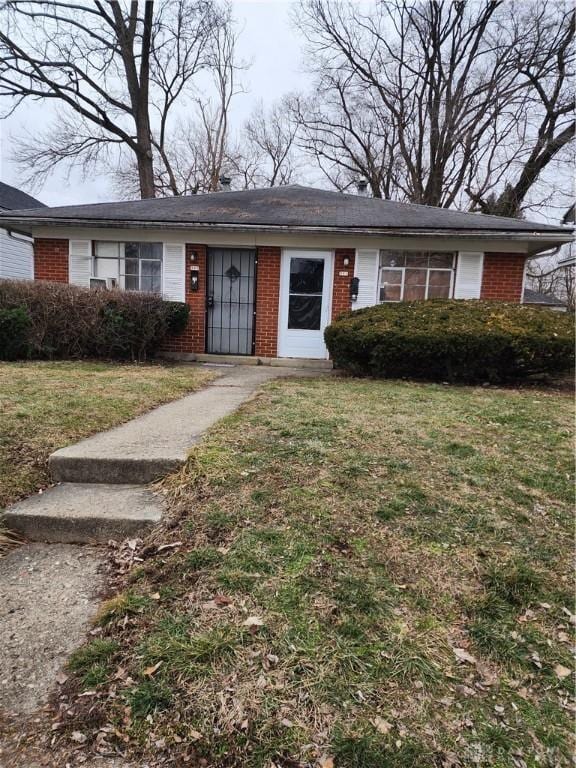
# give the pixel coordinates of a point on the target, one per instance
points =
(565, 234)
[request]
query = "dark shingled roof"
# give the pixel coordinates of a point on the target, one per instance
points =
(290, 207)
(535, 297)
(12, 199)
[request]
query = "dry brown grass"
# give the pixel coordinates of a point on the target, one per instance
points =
(46, 406)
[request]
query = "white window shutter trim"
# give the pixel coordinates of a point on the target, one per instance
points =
(174, 272)
(366, 270)
(468, 280)
(80, 262)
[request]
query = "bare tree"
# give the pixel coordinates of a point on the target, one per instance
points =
(349, 137)
(439, 102)
(118, 70)
(549, 277)
(198, 148)
(265, 155)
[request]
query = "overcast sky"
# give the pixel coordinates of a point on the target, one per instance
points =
(267, 40)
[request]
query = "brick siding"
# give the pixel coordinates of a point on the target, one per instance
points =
(51, 260)
(341, 289)
(267, 300)
(503, 276)
(502, 280)
(192, 339)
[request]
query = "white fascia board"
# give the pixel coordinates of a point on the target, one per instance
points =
(225, 238)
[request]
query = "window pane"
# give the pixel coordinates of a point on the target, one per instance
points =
(151, 251)
(306, 276)
(150, 284)
(106, 260)
(416, 276)
(131, 250)
(104, 250)
(414, 292)
(150, 268)
(392, 259)
(417, 259)
(304, 312)
(390, 292)
(439, 292)
(131, 267)
(391, 276)
(439, 277)
(131, 283)
(442, 259)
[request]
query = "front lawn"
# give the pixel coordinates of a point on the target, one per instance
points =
(45, 406)
(364, 574)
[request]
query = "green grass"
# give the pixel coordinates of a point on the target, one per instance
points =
(46, 406)
(92, 663)
(343, 543)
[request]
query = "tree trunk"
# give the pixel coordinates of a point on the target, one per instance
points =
(145, 172)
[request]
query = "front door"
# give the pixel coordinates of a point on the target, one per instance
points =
(305, 290)
(230, 301)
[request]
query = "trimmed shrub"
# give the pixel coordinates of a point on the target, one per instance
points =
(70, 322)
(15, 327)
(177, 315)
(440, 340)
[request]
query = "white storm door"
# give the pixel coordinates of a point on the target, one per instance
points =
(305, 303)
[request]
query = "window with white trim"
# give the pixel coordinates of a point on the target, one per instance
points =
(132, 266)
(413, 275)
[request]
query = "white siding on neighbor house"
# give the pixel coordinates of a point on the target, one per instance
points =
(80, 262)
(468, 281)
(174, 272)
(16, 257)
(366, 268)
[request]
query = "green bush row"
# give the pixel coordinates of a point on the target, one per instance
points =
(440, 340)
(57, 321)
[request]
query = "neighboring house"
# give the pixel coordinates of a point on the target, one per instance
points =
(546, 300)
(265, 271)
(16, 249)
(567, 261)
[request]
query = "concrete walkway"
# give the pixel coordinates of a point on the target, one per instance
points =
(101, 494)
(49, 592)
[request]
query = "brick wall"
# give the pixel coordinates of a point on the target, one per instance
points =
(341, 291)
(51, 260)
(267, 300)
(192, 339)
(503, 276)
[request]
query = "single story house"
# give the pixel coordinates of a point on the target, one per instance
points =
(264, 271)
(16, 250)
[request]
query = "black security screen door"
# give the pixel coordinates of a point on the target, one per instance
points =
(305, 299)
(230, 301)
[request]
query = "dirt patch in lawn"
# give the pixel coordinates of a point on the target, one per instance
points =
(354, 573)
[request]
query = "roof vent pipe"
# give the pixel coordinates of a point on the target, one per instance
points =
(362, 187)
(225, 182)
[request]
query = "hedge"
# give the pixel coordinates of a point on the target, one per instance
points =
(457, 341)
(57, 321)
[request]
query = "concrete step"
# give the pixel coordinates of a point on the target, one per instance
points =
(153, 445)
(85, 513)
(76, 467)
(276, 362)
